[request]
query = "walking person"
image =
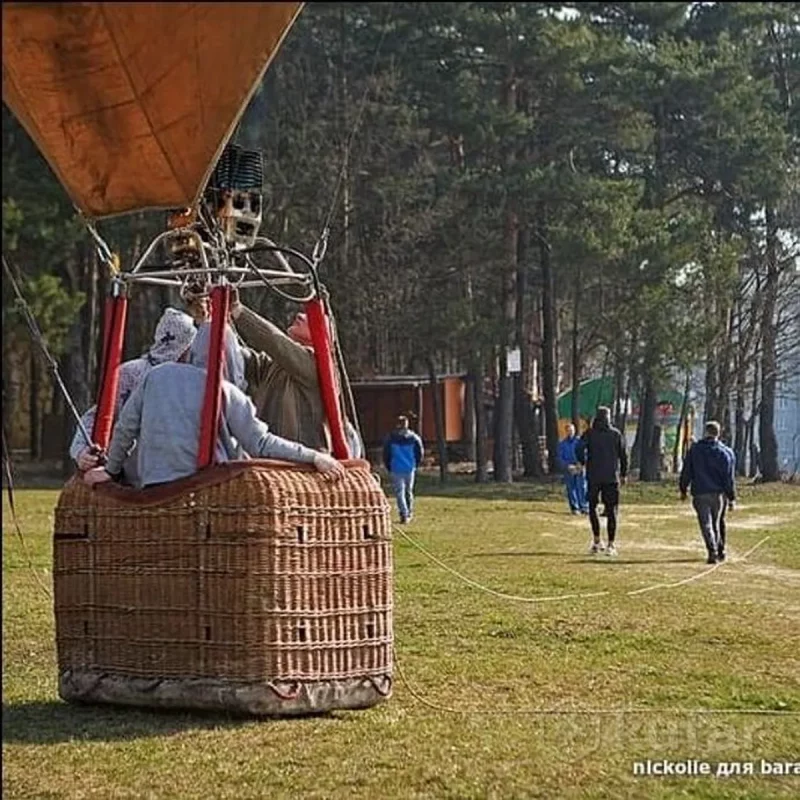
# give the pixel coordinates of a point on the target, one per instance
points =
(402, 455)
(574, 477)
(708, 471)
(602, 450)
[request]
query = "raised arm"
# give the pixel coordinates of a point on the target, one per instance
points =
(261, 335)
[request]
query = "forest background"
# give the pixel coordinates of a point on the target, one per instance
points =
(612, 188)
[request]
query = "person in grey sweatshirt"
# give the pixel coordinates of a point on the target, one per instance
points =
(174, 334)
(164, 415)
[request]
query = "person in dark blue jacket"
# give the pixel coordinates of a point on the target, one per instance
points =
(574, 477)
(709, 470)
(402, 454)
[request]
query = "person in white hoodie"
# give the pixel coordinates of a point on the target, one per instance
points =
(164, 415)
(174, 334)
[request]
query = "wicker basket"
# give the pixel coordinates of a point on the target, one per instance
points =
(254, 586)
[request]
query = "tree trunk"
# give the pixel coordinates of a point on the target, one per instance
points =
(549, 365)
(740, 423)
(711, 385)
(504, 420)
(34, 411)
(468, 438)
(619, 393)
(481, 469)
(504, 410)
(676, 450)
(649, 464)
(438, 418)
(525, 417)
(626, 402)
(755, 410)
(345, 128)
(576, 367)
(768, 443)
(11, 388)
(636, 450)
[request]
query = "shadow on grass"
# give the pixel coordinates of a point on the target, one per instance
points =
(583, 559)
(50, 722)
(514, 553)
(629, 562)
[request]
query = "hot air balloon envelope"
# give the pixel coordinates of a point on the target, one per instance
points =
(132, 103)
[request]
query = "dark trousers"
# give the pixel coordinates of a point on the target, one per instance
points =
(709, 511)
(609, 492)
(722, 529)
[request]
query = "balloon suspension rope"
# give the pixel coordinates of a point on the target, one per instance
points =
(40, 340)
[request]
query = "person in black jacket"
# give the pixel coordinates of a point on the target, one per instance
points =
(602, 450)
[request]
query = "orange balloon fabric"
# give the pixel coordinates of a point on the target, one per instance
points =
(132, 103)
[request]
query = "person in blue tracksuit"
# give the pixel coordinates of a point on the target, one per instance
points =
(574, 477)
(402, 454)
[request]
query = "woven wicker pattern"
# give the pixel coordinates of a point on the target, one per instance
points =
(265, 574)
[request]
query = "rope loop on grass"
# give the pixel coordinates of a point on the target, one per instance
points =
(572, 596)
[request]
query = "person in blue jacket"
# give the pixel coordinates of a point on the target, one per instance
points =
(709, 471)
(402, 454)
(574, 477)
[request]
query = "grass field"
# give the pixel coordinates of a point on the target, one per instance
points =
(472, 667)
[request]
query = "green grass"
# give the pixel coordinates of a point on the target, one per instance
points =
(730, 639)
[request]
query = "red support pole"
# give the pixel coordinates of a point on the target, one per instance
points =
(212, 399)
(116, 313)
(320, 338)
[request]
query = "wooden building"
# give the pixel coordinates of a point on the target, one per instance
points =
(381, 399)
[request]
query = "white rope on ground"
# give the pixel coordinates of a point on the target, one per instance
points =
(605, 712)
(488, 590)
(699, 574)
(571, 596)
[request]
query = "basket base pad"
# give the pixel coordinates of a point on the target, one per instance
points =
(208, 694)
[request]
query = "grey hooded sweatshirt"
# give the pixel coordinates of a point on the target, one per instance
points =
(174, 334)
(164, 414)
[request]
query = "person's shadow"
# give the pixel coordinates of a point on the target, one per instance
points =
(53, 721)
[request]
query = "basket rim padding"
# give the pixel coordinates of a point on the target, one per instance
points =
(219, 473)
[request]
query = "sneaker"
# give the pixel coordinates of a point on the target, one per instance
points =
(712, 559)
(403, 520)
(611, 550)
(597, 547)
(720, 555)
